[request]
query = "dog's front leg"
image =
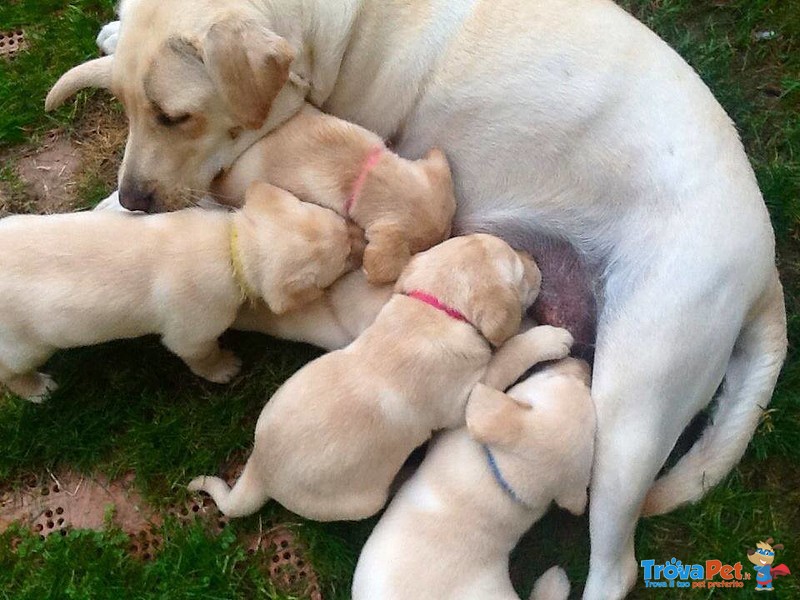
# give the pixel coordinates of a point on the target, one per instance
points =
(523, 351)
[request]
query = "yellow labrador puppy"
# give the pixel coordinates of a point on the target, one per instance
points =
(403, 206)
(79, 279)
(448, 532)
(332, 438)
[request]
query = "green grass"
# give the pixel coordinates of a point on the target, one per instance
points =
(61, 34)
(131, 406)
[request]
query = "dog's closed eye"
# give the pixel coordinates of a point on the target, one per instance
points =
(171, 121)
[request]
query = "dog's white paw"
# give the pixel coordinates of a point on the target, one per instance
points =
(554, 342)
(197, 484)
(108, 37)
(226, 368)
(43, 386)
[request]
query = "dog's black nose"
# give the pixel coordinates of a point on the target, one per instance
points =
(135, 196)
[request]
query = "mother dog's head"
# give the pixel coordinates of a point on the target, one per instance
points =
(200, 83)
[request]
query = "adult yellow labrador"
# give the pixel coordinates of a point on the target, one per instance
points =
(562, 119)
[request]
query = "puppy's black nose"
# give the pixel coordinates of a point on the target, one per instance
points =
(135, 196)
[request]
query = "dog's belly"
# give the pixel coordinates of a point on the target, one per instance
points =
(567, 297)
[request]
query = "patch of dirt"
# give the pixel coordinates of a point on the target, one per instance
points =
(49, 174)
(58, 503)
(70, 501)
(67, 169)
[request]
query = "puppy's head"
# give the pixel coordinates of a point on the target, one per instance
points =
(542, 429)
(482, 277)
(292, 250)
(199, 86)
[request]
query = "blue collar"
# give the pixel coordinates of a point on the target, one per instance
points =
(498, 477)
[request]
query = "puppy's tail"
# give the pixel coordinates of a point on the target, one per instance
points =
(553, 585)
(246, 497)
(747, 389)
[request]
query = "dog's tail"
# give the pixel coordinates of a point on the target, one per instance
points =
(552, 585)
(246, 497)
(747, 389)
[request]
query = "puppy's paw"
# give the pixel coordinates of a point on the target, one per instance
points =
(108, 37)
(384, 265)
(554, 342)
(225, 369)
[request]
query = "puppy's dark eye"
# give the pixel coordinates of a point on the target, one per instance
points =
(171, 121)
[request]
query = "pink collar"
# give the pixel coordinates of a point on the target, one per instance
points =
(370, 163)
(438, 304)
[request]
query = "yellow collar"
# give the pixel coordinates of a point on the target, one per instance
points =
(248, 293)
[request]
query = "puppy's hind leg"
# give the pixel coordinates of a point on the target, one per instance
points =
(247, 496)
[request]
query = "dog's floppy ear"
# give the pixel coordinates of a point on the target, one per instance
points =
(493, 417)
(496, 310)
(248, 64)
(532, 274)
(93, 73)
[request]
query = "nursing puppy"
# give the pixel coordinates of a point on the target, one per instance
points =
(448, 532)
(403, 206)
(330, 441)
(79, 279)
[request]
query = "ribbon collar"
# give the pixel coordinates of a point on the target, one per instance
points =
(248, 294)
(372, 160)
(433, 301)
(501, 481)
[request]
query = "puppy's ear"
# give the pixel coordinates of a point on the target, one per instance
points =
(291, 295)
(778, 547)
(248, 64)
(496, 310)
(436, 164)
(493, 417)
(532, 275)
(94, 73)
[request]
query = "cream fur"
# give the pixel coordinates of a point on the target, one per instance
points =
(449, 531)
(79, 279)
(560, 118)
(403, 206)
(332, 438)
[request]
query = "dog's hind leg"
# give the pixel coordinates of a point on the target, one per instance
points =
(246, 497)
(747, 390)
(653, 371)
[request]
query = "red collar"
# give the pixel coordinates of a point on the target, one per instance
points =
(372, 160)
(438, 304)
